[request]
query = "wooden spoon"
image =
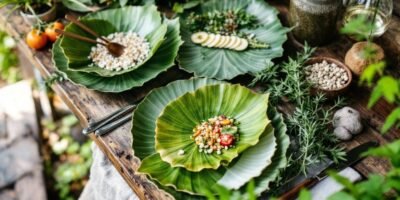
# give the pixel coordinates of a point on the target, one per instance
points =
(79, 37)
(114, 48)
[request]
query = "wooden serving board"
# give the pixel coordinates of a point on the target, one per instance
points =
(90, 105)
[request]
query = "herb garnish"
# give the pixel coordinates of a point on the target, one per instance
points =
(311, 140)
(224, 23)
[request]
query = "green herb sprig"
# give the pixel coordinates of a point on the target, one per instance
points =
(307, 126)
(225, 23)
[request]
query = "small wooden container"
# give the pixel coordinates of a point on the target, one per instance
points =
(335, 92)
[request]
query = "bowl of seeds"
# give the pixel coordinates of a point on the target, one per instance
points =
(328, 76)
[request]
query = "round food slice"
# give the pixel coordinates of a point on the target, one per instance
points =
(219, 44)
(199, 37)
(215, 41)
(226, 42)
(243, 45)
(210, 39)
(232, 41)
(236, 44)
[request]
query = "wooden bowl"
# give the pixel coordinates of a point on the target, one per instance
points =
(335, 92)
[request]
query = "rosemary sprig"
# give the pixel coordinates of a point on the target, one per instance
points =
(308, 125)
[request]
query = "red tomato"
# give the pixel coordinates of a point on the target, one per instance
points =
(36, 39)
(226, 139)
(51, 30)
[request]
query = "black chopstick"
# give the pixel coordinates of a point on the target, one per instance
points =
(113, 125)
(108, 119)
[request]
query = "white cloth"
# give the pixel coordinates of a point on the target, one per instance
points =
(328, 186)
(105, 183)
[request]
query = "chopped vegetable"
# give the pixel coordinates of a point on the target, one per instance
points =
(216, 134)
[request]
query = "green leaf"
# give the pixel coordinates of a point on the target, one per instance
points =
(145, 20)
(168, 178)
(369, 73)
(341, 196)
(391, 120)
(229, 130)
(279, 160)
(225, 64)
(375, 96)
(252, 162)
(389, 87)
(122, 3)
(390, 151)
(78, 5)
(160, 62)
(305, 195)
(176, 122)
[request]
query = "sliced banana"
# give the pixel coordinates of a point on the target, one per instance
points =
(232, 41)
(221, 41)
(210, 39)
(236, 44)
(215, 41)
(243, 45)
(227, 40)
(199, 37)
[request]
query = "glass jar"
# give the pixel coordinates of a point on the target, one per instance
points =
(314, 21)
(376, 12)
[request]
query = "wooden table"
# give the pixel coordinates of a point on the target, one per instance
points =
(90, 105)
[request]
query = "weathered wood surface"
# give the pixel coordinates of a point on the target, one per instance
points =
(91, 105)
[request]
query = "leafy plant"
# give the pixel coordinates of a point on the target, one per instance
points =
(308, 124)
(69, 161)
(30, 6)
(8, 59)
(93, 5)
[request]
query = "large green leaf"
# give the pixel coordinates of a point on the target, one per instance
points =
(144, 20)
(147, 112)
(279, 160)
(166, 175)
(78, 5)
(161, 61)
(252, 162)
(227, 64)
(175, 124)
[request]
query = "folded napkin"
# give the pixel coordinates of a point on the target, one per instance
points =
(329, 186)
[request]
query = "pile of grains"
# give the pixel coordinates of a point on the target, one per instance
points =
(215, 134)
(136, 51)
(327, 76)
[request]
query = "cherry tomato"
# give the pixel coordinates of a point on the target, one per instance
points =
(36, 39)
(226, 139)
(51, 30)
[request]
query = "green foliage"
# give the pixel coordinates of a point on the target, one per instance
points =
(189, 4)
(90, 5)
(224, 194)
(305, 195)
(222, 22)
(376, 187)
(308, 125)
(70, 161)
(8, 59)
(386, 87)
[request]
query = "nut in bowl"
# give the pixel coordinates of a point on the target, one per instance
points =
(328, 75)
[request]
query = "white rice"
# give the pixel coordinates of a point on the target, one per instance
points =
(136, 51)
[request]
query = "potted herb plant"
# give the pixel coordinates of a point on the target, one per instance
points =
(363, 21)
(33, 11)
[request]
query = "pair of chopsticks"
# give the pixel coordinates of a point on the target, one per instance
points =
(110, 122)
